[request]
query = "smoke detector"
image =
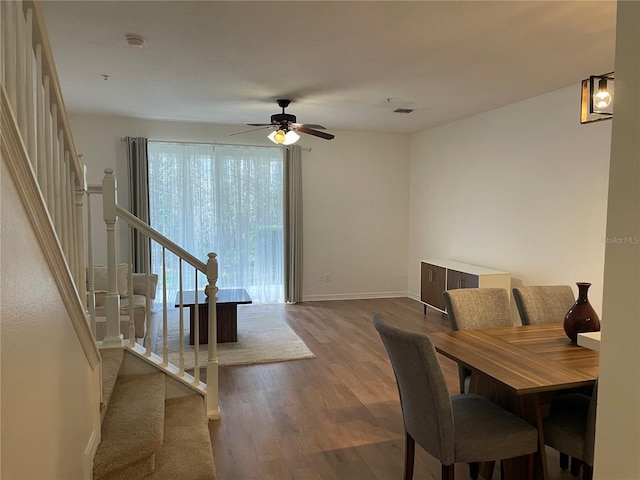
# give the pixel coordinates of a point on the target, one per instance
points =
(135, 40)
(403, 110)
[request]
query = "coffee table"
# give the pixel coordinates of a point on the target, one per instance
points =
(227, 301)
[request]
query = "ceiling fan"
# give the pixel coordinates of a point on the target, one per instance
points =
(285, 126)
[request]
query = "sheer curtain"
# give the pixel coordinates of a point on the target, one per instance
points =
(223, 199)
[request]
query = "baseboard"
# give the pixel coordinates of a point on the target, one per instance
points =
(353, 296)
(90, 451)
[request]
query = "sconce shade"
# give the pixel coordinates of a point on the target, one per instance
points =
(597, 98)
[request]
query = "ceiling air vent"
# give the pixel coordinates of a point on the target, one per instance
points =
(403, 110)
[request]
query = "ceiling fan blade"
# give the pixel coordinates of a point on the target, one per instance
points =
(259, 124)
(310, 131)
(264, 127)
(309, 125)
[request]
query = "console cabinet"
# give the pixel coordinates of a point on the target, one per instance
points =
(436, 276)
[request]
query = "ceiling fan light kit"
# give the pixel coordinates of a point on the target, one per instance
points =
(284, 138)
(287, 128)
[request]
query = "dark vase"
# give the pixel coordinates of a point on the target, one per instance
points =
(581, 317)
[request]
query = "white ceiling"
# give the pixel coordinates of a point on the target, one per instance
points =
(345, 64)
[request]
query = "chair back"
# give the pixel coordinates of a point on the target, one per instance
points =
(542, 304)
(475, 308)
(425, 400)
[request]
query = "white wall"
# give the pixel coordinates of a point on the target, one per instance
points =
(354, 198)
(522, 189)
(50, 404)
(618, 421)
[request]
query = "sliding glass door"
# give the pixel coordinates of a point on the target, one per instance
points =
(224, 199)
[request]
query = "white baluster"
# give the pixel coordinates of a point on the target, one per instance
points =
(78, 247)
(213, 406)
(31, 128)
(196, 334)
(40, 125)
(71, 215)
(21, 99)
(181, 337)
(55, 208)
(65, 195)
(165, 338)
(90, 278)
(132, 326)
(48, 148)
(10, 50)
(147, 268)
(3, 29)
(81, 191)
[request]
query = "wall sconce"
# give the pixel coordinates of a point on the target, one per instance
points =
(597, 98)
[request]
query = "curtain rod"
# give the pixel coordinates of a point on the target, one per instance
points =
(306, 149)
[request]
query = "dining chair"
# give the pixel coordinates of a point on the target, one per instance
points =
(464, 428)
(570, 427)
(540, 304)
(475, 308)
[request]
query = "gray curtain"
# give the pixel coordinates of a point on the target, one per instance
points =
(293, 225)
(138, 198)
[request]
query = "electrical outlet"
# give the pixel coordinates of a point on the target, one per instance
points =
(327, 277)
(321, 277)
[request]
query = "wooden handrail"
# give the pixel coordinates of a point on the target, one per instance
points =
(161, 239)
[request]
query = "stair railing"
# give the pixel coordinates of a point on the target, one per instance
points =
(40, 153)
(33, 95)
(112, 212)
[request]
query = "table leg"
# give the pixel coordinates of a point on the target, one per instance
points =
(203, 323)
(227, 319)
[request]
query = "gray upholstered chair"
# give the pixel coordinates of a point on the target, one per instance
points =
(476, 308)
(570, 428)
(540, 304)
(460, 428)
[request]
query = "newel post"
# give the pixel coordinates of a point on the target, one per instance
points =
(113, 336)
(213, 406)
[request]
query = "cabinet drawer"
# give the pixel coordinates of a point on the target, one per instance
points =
(456, 279)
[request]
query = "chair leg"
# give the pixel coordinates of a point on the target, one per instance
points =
(409, 456)
(564, 461)
(531, 463)
(587, 472)
(448, 472)
(575, 466)
(474, 470)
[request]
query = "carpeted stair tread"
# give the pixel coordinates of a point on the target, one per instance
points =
(187, 451)
(133, 427)
(111, 361)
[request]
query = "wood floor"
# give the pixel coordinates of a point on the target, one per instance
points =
(333, 417)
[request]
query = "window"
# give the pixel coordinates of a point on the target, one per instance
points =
(226, 199)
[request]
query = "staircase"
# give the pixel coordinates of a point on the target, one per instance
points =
(144, 433)
(149, 418)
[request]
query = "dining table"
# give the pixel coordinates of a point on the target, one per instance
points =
(521, 368)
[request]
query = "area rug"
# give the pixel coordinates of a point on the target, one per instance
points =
(262, 338)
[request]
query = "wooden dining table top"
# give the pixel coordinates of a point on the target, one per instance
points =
(524, 359)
